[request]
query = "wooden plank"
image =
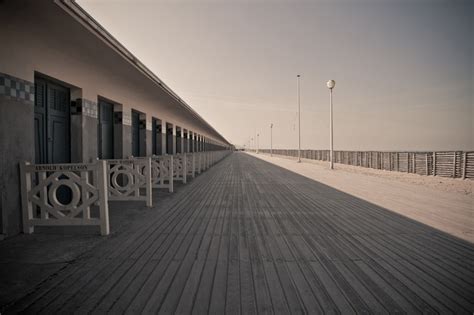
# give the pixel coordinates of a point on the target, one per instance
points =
(249, 237)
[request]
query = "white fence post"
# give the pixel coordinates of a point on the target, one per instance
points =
(199, 162)
(185, 168)
(103, 198)
(26, 203)
(170, 173)
(149, 191)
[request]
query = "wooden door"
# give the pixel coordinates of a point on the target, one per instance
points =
(106, 130)
(135, 133)
(52, 123)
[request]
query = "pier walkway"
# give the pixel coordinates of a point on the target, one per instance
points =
(249, 237)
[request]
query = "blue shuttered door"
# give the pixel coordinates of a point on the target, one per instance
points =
(135, 134)
(52, 123)
(106, 130)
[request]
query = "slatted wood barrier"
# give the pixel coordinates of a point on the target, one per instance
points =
(93, 185)
(84, 186)
(455, 164)
(129, 179)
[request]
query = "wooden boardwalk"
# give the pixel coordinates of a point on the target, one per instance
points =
(248, 237)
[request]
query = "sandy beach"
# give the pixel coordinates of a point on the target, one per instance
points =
(443, 203)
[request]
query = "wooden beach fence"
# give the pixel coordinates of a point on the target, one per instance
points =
(454, 164)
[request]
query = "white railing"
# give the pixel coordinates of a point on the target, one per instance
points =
(129, 179)
(63, 194)
(198, 164)
(81, 186)
(190, 164)
(162, 172)
(179, 167)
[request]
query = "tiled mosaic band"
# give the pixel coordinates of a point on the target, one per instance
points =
(127, 118)
(17, 89)
(86, 107)
(122, 118)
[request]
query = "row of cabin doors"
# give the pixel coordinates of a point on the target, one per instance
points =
(52, 123)
(106, 131)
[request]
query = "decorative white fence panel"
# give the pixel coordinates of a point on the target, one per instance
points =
(198, 164)
(190, 161)
(203, 161)
(162, 172)
(81, 186)
(63, 194)
(128, 178)
(179, 167)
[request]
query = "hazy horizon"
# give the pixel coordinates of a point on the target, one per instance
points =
(403, 69)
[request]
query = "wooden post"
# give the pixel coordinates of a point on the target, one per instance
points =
(434, 163)
(86, 214)
(185, 168)
(44, 195)
(148, 187)
(426, 164)
(27, 207)
(171, 175)
(414, 163)
(199, 163)
(464, 165)
(193, 164)
(454, 164)
(103, 197)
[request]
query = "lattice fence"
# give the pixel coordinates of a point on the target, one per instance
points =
(162, 172)
(63, 194)
(190, 162)
(130, 179)
(179, 167)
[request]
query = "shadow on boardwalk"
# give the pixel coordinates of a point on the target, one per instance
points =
(250, 237)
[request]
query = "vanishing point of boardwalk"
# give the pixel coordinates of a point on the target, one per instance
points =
(249, 237)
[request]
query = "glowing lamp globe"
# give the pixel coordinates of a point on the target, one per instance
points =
(331, 84)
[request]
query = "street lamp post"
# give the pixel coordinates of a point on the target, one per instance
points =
(299, 118)
(257, 142)
(271, 139)
(331, 84)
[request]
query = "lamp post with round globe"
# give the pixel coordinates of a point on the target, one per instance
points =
(331, 84)
(299, 117)
(257, 142)
(271, 139)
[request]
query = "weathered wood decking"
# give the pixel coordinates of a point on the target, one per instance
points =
(249, 237)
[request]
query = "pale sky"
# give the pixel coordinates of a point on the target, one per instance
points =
(403, 68)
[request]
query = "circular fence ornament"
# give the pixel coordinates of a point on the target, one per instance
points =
(126, 176)
(75, 194)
